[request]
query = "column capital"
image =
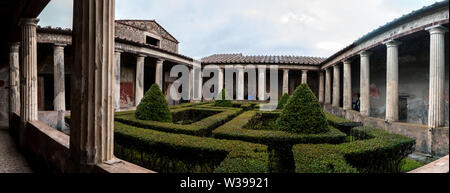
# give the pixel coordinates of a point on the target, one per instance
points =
(117, 51)
(28, 21)
(305, 71)
(348, 61)
(365, 53)
(437, 29)
(392, 43)
(59, 45)
(160, 60)
(14, 46)
(141, 56)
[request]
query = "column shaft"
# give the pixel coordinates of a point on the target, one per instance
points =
(14, 79)
(29, 105)
(304, 77)
(159, 74)
(365, 84)
(191, 83)
(321, 87)
(392, 81)
(285, 81)
(436, 111)
(262, 83)
(328, 86)
(59, 101)
(117, 58)
(336, 86)
(139, 93)
(241, 82)
(220, 82)
(347, 85)
(92, 116)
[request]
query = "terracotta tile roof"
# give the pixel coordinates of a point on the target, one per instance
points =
(241, 59)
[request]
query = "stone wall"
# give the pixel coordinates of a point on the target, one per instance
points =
(4, 95)
(430, 141)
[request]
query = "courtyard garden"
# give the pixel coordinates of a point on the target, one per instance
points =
(235, 137)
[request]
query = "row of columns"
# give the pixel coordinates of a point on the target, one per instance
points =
(436, 111)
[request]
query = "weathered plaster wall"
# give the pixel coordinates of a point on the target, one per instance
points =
(127, 79)
(4, 95)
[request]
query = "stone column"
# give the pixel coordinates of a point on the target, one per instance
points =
(347, 85)
(191, 83)
(286, 81)
(159, 73)
(14, 79)
(262, 83)
(29, 105)
(92, 116)
(304, 77)
(59, 101)
(328, 86)
(220, 83)
(117, 58)
(336, 86)
(392, 81)
(365, 84)
(139, 90)
(321, 87)
(240, 82)
(436, 111)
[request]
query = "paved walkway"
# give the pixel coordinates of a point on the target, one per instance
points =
(11, 161)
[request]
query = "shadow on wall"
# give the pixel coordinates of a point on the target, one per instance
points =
(4, 97)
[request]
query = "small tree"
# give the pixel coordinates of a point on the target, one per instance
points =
(153, 106)
(222, 100)
(303, 114)
(283, 101)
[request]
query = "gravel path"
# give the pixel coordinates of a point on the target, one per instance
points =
(11, 161)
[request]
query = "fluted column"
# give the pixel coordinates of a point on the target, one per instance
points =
(29, 105)
(286, 81)
(336, 86)
(191, 83)
(392, 81)
(159, 74)
(199, 78)
(139, 91)
(365, 83)
(117, 59)
(92, 116)
(328, 86)
(347, 85)
(436, 111)
(14, 79)
(304, 77)
(220, 83)
(241, 82)
(321, 87)
(59, 102)
(262, 83)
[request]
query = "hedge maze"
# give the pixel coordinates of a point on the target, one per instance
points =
(238, 138)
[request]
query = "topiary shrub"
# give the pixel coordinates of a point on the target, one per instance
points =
(283, 101)
(303, 114)
(153, 106)
(222, 100)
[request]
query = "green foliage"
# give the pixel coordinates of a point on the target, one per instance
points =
(303, 114)
(236, 130)
(199, 128)
(409, 165)
(153, 106)
(178, 153)
(223, 100)
(283, 101)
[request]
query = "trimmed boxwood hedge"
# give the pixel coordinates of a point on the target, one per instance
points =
(153, 106)
(235, 130)
(223, 100)
(303, 113)
(181, 153)
(376, 151)
(199, 128)
(283, 101)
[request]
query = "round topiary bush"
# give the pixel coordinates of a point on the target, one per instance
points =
(303, 114)
(221, 100)
(283, 101)
(153, 106)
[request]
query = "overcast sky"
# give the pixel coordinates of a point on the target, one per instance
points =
(255, 27)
